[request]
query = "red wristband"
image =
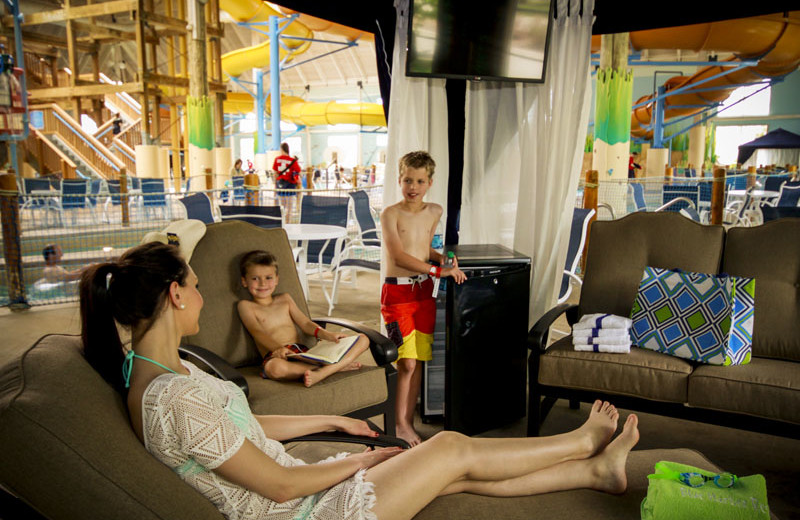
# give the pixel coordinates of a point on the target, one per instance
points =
(438, 272)
(316, 331)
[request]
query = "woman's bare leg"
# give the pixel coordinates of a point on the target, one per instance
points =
(409, 481)
(348, 362)
(603, 472)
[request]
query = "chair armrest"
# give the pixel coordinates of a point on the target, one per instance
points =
(381, 441)
(537, 337)
(383, 349)
(218, 365)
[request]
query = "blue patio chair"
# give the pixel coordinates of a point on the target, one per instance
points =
(769, 213)
(577, 239)
(790, 195)
(153, 196)
(262, 216)
(198, 207)
(75, 197)
(774, 182)
(681, 195)
(691, 213)
(323, 210)
(33, 203)
(636, 191)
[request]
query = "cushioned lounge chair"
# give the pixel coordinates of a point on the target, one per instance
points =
(363, 393)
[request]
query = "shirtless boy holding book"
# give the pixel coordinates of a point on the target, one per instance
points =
(271, 319)
(407, 303)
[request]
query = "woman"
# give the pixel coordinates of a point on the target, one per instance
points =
(236, 171)
(203, 429)
(287, 177)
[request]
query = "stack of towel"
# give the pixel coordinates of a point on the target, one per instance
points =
(602, 333)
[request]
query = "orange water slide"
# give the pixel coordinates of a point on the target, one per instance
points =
(772, 40)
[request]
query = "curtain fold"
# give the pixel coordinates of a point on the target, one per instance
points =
(523, 155)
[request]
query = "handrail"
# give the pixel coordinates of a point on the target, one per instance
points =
(128, 154)
(132, 134)
(102, 129)
(90, 149)
(61, 155)
(52, 154)
(677, 199)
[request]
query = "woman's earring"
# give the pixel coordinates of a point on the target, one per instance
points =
(182, 306)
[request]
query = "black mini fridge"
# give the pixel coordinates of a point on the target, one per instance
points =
(478, 376)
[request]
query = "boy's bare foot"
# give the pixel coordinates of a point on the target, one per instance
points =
(408, 434)
(608, 466)
(309, 378)
(600, 426)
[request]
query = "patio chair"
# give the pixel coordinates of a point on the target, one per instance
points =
(362, 252)
(636, 191)
(75, 197)
(33, 203)
(198, 206)
(153, 196)
(790, 195)
(577, 238)
(682, 194)
(237, 182)
(262, 216)
(769, 213)
(363, 393)
(774, 182)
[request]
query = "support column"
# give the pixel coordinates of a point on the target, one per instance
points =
(275, 82)
(141, 69)
(612, 122)
(198, 105)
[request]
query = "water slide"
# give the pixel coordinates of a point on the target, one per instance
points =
(773, 40)
(293, 109)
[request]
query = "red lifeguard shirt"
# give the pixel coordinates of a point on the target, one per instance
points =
(292, 172)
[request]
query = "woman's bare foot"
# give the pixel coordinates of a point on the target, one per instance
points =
(608, 467)
(408, 434)
(600, 426)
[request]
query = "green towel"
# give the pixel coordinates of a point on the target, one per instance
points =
(673, 500)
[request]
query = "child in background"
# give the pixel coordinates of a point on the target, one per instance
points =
(271, 320)
(53, 272)
(407, 303)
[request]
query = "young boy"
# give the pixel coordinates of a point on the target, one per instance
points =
(407, 303)
(271, 320)
(53, 272)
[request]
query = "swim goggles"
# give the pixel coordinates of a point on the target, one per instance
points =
(693, 478)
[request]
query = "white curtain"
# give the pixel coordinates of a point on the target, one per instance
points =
(523, 155)
(417, 120)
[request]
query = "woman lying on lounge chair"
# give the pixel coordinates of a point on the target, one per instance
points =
(203, 429)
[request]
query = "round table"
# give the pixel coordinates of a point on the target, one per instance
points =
(305, 232)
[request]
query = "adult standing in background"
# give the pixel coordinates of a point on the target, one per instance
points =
(236, 171)
(287, 177)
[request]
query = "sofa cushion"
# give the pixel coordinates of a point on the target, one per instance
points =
(766, 388)
(216, 262)
(69, 449)
(641, 373)
(620, 249)
(771, 254)
(339, 394)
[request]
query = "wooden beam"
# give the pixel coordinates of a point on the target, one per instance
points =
(51, 41)
(165, 21)
(74, 13)
(97, 32)
(37, 95)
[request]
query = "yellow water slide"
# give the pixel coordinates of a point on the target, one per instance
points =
(773, 40)
(293, 109)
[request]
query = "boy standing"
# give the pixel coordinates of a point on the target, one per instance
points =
(271, 320)
(407, 302)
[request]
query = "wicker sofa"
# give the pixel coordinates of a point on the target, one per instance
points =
(763, 395)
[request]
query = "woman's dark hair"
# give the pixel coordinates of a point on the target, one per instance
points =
(237, 163)
(130, 292)
(257, 257)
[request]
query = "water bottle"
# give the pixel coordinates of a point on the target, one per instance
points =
(438, 242)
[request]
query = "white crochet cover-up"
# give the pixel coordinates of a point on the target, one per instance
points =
(195, 423)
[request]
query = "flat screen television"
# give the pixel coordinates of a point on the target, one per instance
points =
(503, 40)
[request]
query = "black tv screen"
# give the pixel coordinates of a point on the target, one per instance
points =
(493, 40)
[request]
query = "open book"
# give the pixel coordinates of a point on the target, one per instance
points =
(326, 352)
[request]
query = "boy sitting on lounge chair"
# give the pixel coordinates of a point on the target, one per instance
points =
(271, 320)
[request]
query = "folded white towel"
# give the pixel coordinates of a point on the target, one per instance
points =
(601, 333)
(612, 349)
(605, 321)
(621, 340)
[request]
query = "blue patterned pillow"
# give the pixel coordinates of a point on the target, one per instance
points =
(707, 318)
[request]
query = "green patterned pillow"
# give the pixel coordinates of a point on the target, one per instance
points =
(703, 317)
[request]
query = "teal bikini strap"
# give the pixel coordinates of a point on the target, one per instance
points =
(127, 366)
